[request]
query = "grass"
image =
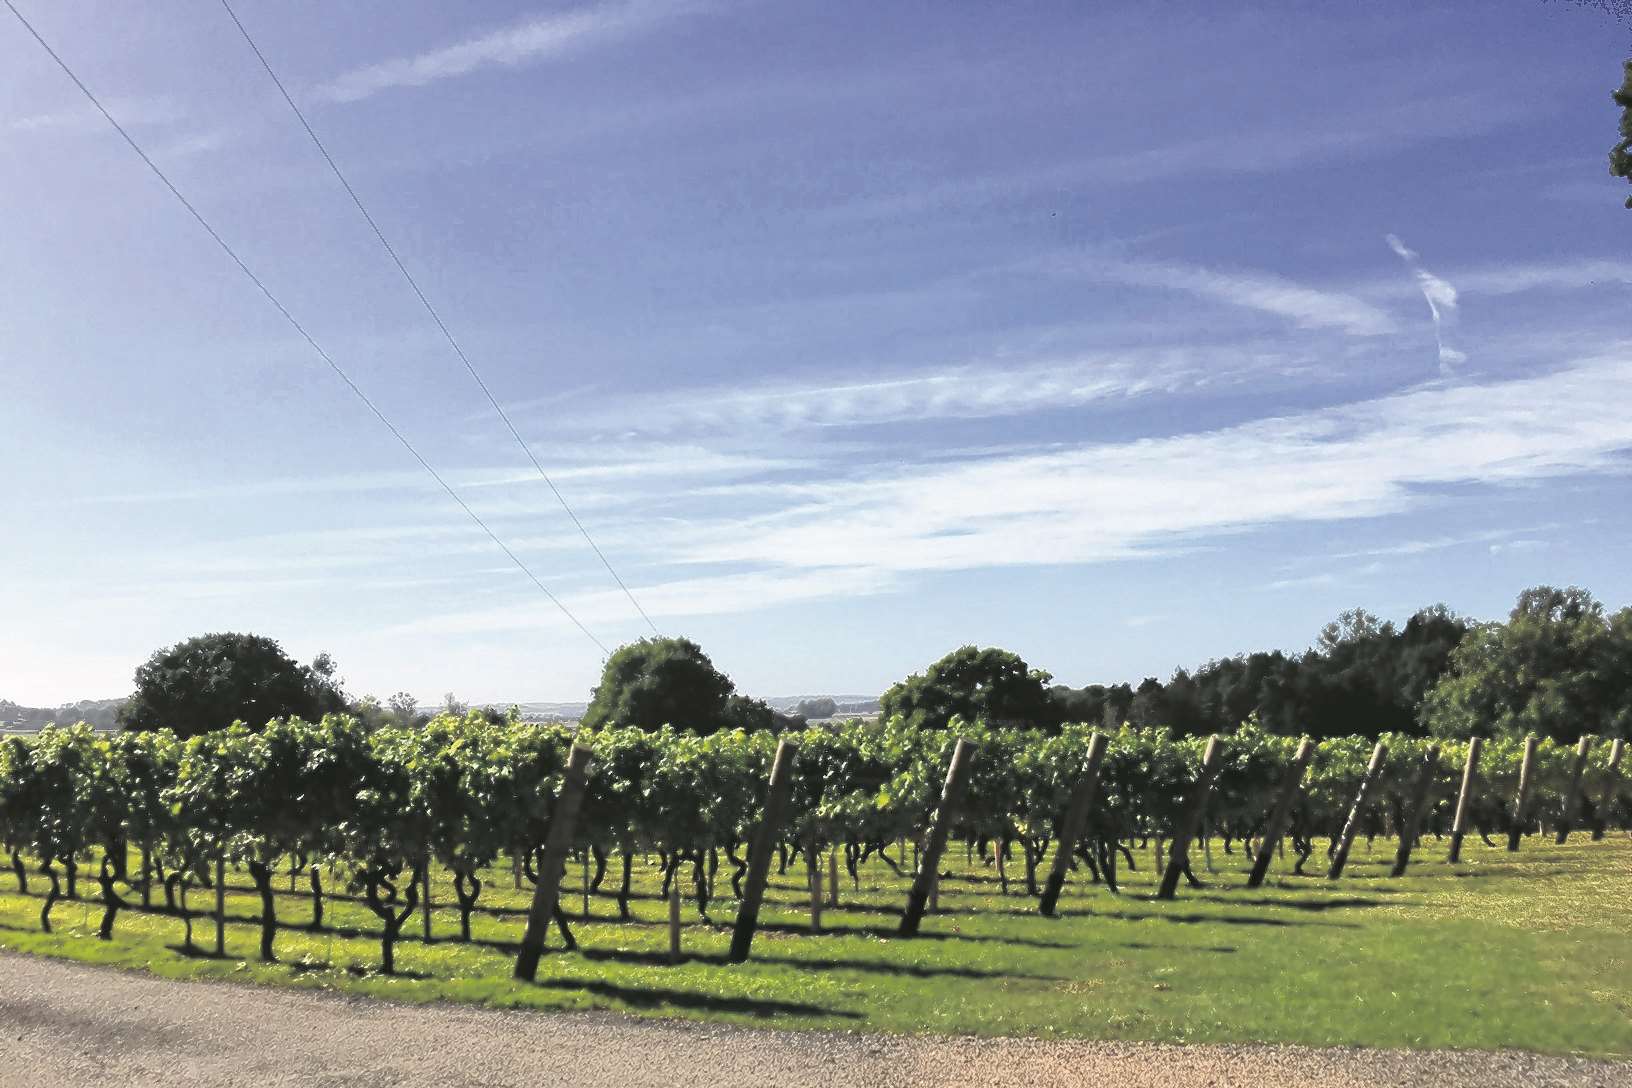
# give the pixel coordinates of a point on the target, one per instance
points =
(1526, 951)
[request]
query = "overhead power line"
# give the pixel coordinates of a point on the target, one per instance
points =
(424, 301)
(297, 326)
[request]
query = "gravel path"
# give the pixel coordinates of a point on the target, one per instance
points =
(68, 1024)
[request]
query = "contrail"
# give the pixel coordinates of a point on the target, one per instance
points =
(1441, 298)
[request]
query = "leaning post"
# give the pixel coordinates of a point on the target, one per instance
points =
(563, 821)
(1521, 803)
(759, 857)
(1612, 781)
(1464, 798)
(957, 780)
(1076, 818)
(1291, 783)
(1419, 807)
(1340, 857)
(1572, 800)
(1178, 851)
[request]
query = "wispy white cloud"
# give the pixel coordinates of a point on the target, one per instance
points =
(1100, 502)
(1441, 298)
(1305, 306)
(131, 112)
(1512, 279)
(990, 389)
(533, 39)
(974, 391)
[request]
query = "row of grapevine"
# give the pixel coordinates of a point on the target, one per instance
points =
(381, 806)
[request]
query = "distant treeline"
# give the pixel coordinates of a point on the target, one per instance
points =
(99, 713)
(1560, 665)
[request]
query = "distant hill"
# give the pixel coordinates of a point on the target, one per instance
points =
(101, 713)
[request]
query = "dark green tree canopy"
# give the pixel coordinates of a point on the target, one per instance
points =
(211, 681)
(670, 681)
(1559, 667)
(976, 683)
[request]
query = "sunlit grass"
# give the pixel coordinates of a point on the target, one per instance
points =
(1530, 950)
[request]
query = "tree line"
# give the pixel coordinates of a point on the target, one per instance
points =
(1558, 666)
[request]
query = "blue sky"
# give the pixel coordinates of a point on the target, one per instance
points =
(1124, 338)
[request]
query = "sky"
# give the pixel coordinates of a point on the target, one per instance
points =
(1121, 336)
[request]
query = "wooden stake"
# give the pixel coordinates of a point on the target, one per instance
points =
(957, 780)
(1521, 803)
(425, 901)
(563, 821)
(674, 921)
(813, 880)
(586, 882)
(1340, 857)
(1419, 805)
(833, 878)
(1291, 783)
(1077, 809)
(759, 855)
(1572, 800)
(1464, 798)
(1612, 780)
(1190, 818)
(220, 906)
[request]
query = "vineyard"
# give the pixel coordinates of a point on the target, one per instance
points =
(434, 837)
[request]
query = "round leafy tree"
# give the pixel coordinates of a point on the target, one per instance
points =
(211, 681)
(987, 684)
(661, 681)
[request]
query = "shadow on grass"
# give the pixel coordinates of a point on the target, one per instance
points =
(1193, 919)
(1141, 946)
(890, 933)
(653, 997)
(1336, 903)
(655, 958)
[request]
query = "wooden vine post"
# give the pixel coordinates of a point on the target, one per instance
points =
(813, 884)
(833, 878)
(556, 848)
(424, 899)
(1464, 798)
(1419, 806)
(1612, 781)
(1291, 784)
(1521, 803)
(1190, 819)
(1340, 857)
(1572, 800)
(1077, 809)
(957, 781)
(759, 855)
(674, 921)
(220, 906)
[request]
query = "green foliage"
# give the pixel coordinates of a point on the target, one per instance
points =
(660, 681)
(211, 681)
(987, 684)
(1559, 667)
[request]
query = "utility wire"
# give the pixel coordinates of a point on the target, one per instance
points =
(298, 327)
(447, 334)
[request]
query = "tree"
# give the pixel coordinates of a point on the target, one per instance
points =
(405, 709)
(979, 684)
(211, 681)
(661, 681)
(823, 707)
(1620, 156)
(1558, 667)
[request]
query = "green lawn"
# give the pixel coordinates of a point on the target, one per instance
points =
(1532, 950)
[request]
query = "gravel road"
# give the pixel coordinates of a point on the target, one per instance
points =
(68, 1024)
